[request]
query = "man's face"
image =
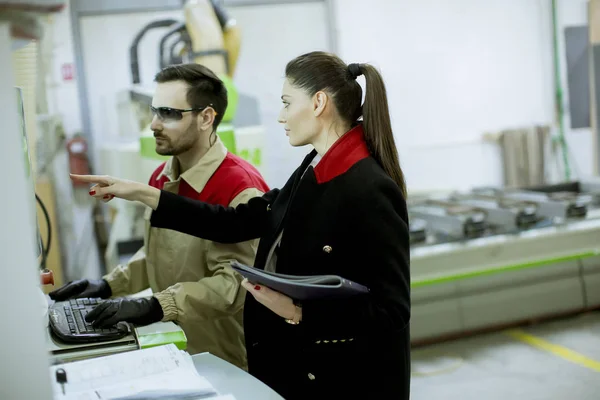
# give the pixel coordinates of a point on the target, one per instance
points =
(177, 132)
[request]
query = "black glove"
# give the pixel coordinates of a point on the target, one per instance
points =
(82, 288)
(137, 311)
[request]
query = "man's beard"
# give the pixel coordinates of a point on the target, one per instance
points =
(185, 142)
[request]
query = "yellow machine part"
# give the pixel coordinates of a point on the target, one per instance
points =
(232, 42)
(205, 31)
(207, 35)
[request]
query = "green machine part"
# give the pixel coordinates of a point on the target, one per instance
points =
(539, 263)
(225, 130)
(148, 145)
(232, 99)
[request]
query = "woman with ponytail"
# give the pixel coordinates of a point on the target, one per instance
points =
(342, 212)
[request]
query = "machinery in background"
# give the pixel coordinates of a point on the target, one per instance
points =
(208, 36)
(561, 205)
(490, 211)
(536, 256)
(510, 214)
(451, 219)
(418, 231)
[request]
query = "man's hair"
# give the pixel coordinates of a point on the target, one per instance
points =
(205, 88)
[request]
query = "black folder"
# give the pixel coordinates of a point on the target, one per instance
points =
(301, 287)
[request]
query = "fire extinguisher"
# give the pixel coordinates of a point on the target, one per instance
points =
(78, 158)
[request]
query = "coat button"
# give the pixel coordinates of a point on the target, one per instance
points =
(268, 207)
(311, 376)
(327, 249)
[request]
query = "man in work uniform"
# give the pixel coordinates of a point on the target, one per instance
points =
(191, 278)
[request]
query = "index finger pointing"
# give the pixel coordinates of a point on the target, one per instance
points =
(102, 180)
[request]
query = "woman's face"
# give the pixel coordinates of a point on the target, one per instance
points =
(299, 115)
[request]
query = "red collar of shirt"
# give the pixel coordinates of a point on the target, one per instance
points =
(345, 152)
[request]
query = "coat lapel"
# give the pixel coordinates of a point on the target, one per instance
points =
(279, 212)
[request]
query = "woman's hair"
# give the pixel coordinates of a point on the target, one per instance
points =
(320, 71)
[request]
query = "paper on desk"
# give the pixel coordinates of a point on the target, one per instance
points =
(174, 396)
(158, 369)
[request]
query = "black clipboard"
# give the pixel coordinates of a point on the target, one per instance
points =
(302, 287)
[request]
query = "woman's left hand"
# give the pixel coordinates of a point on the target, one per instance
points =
(279, 303)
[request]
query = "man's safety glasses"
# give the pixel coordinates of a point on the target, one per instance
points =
(173, 114)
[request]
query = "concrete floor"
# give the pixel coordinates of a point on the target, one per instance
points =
(557, 360)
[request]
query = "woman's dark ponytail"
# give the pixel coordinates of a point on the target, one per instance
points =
(378, 126)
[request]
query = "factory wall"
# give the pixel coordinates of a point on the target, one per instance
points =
(106, 40)
(458, 69)
(62, 93)
(455, 70)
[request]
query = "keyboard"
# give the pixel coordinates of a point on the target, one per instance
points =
(67, 322)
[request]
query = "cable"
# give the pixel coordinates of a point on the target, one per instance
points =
(574, 161)
(559, 93)
(45, 249)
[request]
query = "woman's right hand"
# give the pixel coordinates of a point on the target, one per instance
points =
(107, 187)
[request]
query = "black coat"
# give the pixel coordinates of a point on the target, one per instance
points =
(344, 217)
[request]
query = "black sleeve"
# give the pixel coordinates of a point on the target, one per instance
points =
(381, 227)
(213, 222)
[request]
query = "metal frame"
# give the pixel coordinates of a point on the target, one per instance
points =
(593, 15)
(85, 8)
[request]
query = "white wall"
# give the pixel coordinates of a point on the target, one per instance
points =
(574, 13)
(456, 69)
(272, 36)
(63, 97)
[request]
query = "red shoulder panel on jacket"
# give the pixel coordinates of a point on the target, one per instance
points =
(233, 176)
(155, 181)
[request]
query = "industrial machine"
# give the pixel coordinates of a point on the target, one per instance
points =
(501, 212)
(539, 258)
(451, 219)
(418, 231)
(560, 205)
